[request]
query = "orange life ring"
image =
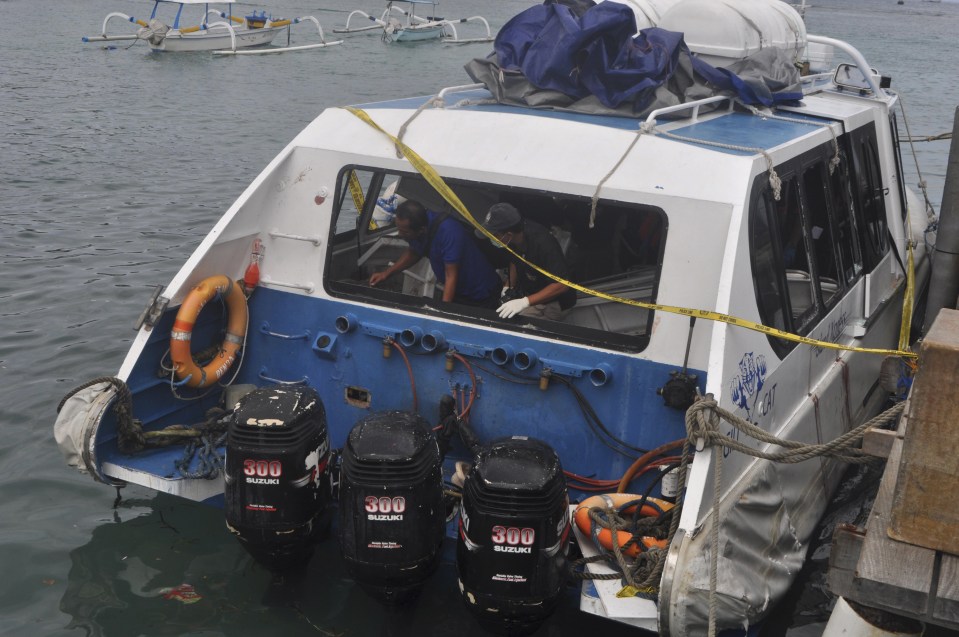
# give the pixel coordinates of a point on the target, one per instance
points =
(653, 506)
(184, 366)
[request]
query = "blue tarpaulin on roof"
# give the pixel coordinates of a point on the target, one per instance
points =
(561, 55)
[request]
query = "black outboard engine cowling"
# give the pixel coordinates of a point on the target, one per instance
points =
(513, 535)
(277, 489)
(392, 516)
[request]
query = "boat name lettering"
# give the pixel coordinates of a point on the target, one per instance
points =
(833, 331)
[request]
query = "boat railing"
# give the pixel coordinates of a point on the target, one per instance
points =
(441, 96)
(856, 57)
(693, 106)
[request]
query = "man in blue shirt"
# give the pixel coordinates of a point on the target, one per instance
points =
(457, 261)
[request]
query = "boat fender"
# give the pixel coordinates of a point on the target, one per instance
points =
(625, 505)
(184, 367)
(78, 422)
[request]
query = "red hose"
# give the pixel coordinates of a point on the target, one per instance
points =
(409, 370)
(469, 368)
(644, 460)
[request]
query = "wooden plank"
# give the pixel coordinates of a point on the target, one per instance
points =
(902, 566)
(878, 442)
(946, 608)
(924, 512)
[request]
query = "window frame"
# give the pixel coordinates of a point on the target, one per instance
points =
(426, 306)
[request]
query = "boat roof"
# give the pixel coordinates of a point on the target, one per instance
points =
(198, 1)
(726, 132)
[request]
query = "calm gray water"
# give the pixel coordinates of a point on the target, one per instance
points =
(113, 165)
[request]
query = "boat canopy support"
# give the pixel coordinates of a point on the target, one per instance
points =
(278, 23)
(103, 37)
(415, 21)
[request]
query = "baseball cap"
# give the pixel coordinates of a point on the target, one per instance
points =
(501, 217)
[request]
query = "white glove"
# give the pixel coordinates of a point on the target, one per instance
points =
(512, 308)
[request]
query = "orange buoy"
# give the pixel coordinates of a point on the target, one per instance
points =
(184, 367)
(653, 507)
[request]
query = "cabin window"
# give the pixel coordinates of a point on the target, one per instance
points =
(804, 247)
(621, 255)
(766, 273)
(869, 197)
(820, 233)
(847, 244)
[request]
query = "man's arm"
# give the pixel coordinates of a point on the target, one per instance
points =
(547, 294)
(406, 260)
(449, 288)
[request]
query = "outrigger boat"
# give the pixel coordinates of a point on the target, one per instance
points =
(409, 27)
(233, 35)
(744, 261)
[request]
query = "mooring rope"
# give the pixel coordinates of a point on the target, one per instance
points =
(702, 428)
(703, 420)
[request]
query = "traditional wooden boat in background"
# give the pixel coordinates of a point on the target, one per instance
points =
(232, 35)
(410, 27)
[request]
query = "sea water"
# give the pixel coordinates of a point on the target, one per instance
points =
(114, 163)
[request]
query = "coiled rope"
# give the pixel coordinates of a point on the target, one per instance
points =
(202, 440)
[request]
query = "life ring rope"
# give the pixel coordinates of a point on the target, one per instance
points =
(185, 369)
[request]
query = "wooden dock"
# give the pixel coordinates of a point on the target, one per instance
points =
(870, 567)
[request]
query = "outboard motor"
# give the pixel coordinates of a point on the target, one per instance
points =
(392, 517)
(513, 535)
(277, 489)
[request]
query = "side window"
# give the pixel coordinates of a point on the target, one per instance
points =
(820, 234)
(850, 257)
(766, 273)
(869, 198)
(792, 235)
(803, 248)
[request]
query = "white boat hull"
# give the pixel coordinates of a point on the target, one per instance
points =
(211, 39)
(418, 33)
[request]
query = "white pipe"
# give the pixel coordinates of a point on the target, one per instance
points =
(856, 56)
(230, 29)
(302, 47)
(266, 51)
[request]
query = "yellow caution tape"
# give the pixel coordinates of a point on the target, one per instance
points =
(434, 179)
(356, 193)
(906, 326)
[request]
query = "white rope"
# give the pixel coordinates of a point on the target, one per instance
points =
(622, 158)
(436, 100)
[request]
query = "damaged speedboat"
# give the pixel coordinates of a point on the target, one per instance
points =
(737, 236)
